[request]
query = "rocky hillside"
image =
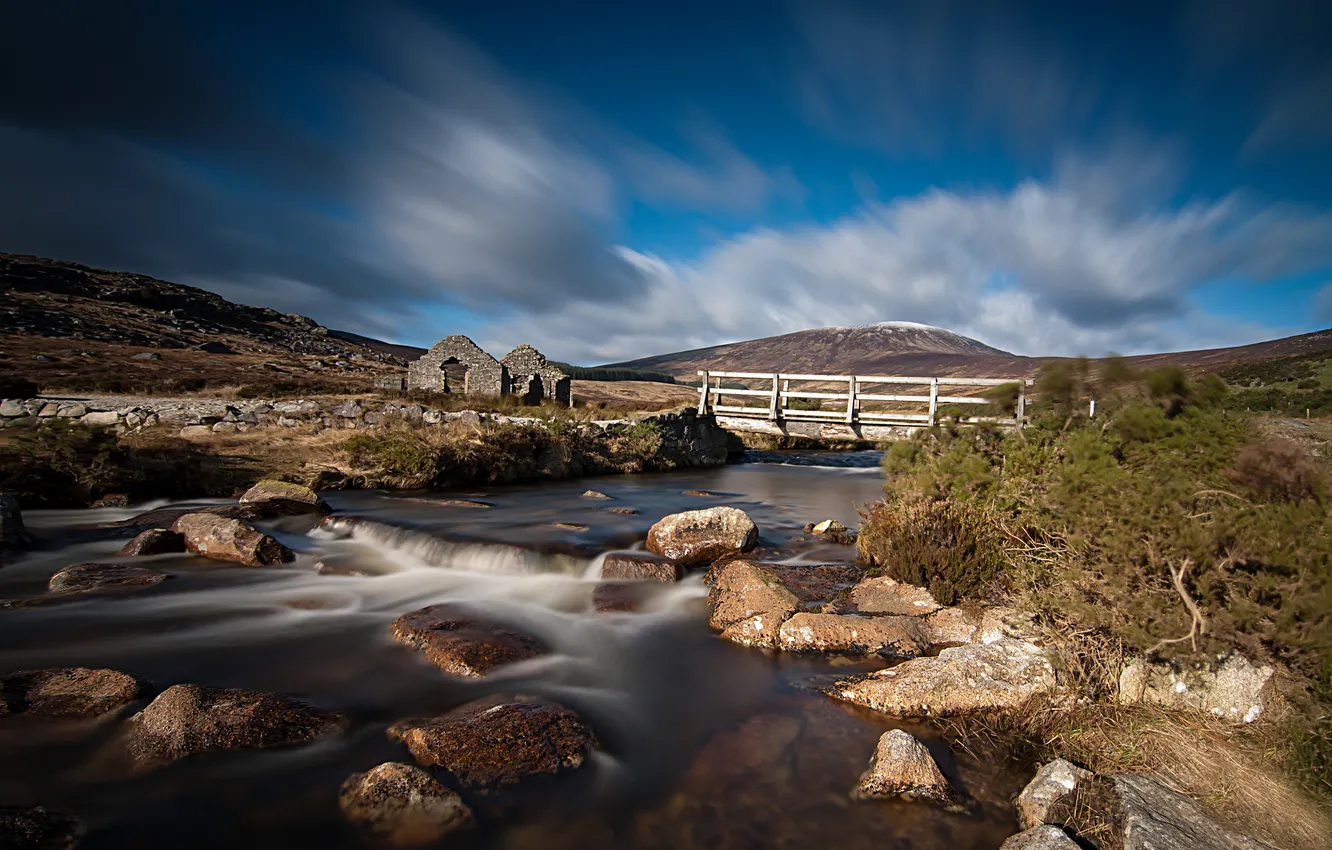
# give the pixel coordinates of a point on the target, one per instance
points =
(893, 348)
(64, 324)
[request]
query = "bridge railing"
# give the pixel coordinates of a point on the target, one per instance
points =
(855, 405)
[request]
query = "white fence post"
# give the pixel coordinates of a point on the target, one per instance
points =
(776, 397)
(851, 401)
(1021, 418)
(703, 395)
(934, 399)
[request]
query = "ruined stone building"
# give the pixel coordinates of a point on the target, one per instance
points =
(456, 364)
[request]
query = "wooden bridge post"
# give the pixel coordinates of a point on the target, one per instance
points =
(703, 395)
(1021, 418)
(934, 399)
(786, 401)
(851, 401)
(776, 398)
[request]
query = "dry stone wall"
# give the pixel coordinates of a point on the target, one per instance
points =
(532, 377)
(486, 376)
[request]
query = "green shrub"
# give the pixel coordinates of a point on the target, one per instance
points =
(948, 546)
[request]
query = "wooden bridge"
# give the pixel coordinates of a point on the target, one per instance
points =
(867, 409)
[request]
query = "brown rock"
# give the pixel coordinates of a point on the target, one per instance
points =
(1051, 784)
(903, 767)
(154, 541)
(166, 517)
(622, 511)
(640, 567)
(814, 583)
(883, 595)
(617, 598)
(700, 537)
(272, 490)
(66, 692)
(228, 539)
(187, 720)
(748, 603)
(593, 494)
(84, 578)
(500, 742)
(402, 805)
(460, 644)
(891, 637)
(38, 828)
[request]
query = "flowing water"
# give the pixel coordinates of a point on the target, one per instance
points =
(704, 744)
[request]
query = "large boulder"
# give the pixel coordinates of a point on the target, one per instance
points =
(186, 720)
(977, 677)
(902, 767)
(74, 692)
(1136, 812)
(1230, 688)
(38, 828)
(1043, 837)
(13, 536)
(272, 490)
(85, 578)
(402, 805)
(1051, 784)
(884, 595)
(461, 644)
(748, 603)
(154, 541)
(227, 539)
(695, 538)
(499, 743)
(890, 637)
(640, 567)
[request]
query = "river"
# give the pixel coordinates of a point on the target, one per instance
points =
(704, 744)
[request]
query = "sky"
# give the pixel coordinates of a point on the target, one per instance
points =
(613, 180)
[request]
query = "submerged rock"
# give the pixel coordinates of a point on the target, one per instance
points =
(154, 541)
(499, 742)
(640, 567)
(85, 578)
(1232, 688)
(460, 644)
(891, 637)
(977, 677)
(38, 828)
(1040, 838)
(700, 537)
(902, 767)
(1051, 784)
(66, 692)
(226, 539)
(272, 490)
(402, 805)
(186, 720)
(883, 595)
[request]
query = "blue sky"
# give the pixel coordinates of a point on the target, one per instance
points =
(612, 180)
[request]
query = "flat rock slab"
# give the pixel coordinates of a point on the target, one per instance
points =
(229, 539)
(461, 644)
(1040, 838)
(187, 720)
(815, 583)
(498, 743)
(700, 537)
(38, 828)
(154, 541)
(902, 767)
(73, 692)
(402, 805)
(85, 578)
(750, 600)
(883, 595)
(890, 637)
(166, 517)
(641, 568)
(271, 490)
(977, 677)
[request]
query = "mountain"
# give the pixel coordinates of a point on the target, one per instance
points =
(886, 348)
(402, 352)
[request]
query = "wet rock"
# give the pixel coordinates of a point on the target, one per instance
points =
(1230, 688)
(38, 828)
(462, 503)
(85, 578)
(570, 526)
(269, 490)
(883, 595)
(1135, 812)
(66, 692)
(748, 603)
(902, 767)
(704, 493)
(402, 805)
(498, 743)
(828, 525)
(226, 539)
(977, 677)
(154, 541)
(622, 511)
(700, 537)
(186, 720)
(640, 567)
(618, 598)
(461, 644)
(889, 636)
(13, 536)
(1041, 838)
(1051, 784)
(593, 494)
(814, 584)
